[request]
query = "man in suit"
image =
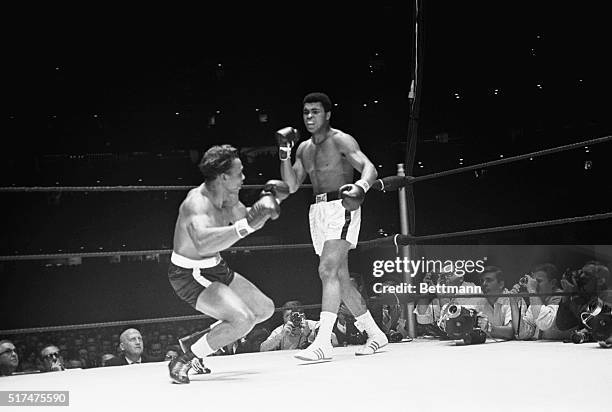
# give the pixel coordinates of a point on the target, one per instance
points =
(132, 348)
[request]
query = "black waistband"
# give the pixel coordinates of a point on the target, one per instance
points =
(333, 195)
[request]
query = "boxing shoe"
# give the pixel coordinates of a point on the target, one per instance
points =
(315, 352)
(377, 341)
(179, 369)
(198, 367)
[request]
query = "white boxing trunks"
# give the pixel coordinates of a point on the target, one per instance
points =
(329, 220)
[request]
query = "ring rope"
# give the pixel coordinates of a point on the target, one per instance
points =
(132, 188)
(403, 240)
(385, 298)
(397, 240)
(511, 159)
(126, 322)
(412, 180)
(146, 252)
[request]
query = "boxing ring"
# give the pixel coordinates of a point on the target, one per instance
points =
(422, 375)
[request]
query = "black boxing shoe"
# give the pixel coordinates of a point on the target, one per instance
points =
(179, 368)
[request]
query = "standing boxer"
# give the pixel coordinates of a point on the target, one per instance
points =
(329, 158)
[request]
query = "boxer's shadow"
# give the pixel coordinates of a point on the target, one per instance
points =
(306, 363)
(223, 376)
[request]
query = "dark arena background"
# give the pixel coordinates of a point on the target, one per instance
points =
(107, 115)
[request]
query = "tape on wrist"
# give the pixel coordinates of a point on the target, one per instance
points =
(284, 153)
(363, 184)
(242, 228)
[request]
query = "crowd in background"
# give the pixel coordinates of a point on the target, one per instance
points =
(501, 316)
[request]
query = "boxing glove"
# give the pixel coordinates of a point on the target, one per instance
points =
(286, 139)
(265, 208)
(278, 188)
(353, 194)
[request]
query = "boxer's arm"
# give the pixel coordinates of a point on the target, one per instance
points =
(295, 174)
(349, 147)
(241, 211)
(207, 238)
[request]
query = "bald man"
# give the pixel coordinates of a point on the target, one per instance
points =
(132, 346)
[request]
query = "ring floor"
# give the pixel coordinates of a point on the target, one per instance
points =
(422, 375)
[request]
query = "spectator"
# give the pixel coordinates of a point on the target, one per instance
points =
(252, 342)
(9, 360)
(29, 364)
(172, 352)
(345, 331)
(428, 310)
(290, 335)
(63, 350)
(495, 315)
(104, 359)
(106, 346)
(52, 360)
(539, 319)
(593, 280)
(131, 346)
(83, 356)
(156, 354)
(92, 356)
(74, 364)
(391, 319)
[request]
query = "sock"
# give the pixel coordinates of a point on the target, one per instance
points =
(366, 322)
(327, 321)
(201, 348)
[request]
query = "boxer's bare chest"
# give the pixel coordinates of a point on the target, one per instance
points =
(225, 216)
(326, 166)
(323, 158)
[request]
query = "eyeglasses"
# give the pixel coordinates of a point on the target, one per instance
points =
(53, 356)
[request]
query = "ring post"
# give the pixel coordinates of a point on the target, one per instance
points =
(404, 252)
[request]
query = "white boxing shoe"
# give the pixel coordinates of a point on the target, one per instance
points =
(373, 344)
(315, 352)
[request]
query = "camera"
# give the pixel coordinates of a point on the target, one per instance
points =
(462, 323)
(525, 279)
(395, 337)
(580, 278)
(296, 318)
(597, 317)
(571, 275)
(581, 336)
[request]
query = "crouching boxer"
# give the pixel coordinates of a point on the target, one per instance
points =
(210, 220)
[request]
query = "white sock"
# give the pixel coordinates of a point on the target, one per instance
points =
(366, 322)
(326, 324)
(201, 348)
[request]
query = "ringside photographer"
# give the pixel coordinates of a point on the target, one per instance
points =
(538, 322)
(495, 316)
(589, 312)
(296, 332)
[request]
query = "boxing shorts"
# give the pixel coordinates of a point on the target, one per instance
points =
(329, 220)
(189, 277)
